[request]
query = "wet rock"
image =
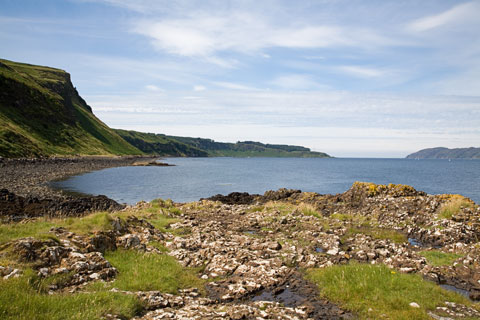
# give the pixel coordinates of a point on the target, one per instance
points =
(234, 198)
(15, 208)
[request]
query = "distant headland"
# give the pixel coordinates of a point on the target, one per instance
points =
(445, 153)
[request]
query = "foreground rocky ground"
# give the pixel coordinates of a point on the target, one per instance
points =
(251, 258)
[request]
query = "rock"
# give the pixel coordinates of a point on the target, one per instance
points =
(14, 274)
(414, 305)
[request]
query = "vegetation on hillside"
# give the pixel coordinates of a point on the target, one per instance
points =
(151, 143)
(42, 114)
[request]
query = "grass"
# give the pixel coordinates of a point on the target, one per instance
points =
(159, 246)
(283, 208)
(377, 233)
(99, 221)
(148, 271)
(63, 123)
(454, 206)
(375, 292)
(309, 210)
(19, 300)
(439, 258)
(12, 231)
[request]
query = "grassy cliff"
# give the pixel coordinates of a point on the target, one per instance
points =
(42, 114)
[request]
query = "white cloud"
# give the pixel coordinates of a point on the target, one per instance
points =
(231, 85)
(362, 72)
(459, 14)
(208, 34)
(199, 88)
(152, 87)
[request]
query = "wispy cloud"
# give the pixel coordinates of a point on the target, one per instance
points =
(199, 88)
(206, 35)
(152, 87)
(362, 72)
(459, 13)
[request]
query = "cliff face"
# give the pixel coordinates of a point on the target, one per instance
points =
(445, 153)
(41, 114)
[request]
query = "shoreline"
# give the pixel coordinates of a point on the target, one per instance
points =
(30, 177)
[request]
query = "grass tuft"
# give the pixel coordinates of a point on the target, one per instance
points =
(377, 233)
(375, 292)
(147, 271)
(309, 210)
(19, 300)
(454, 206)
(439, 258)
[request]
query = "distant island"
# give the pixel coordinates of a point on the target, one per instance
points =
(42, 114)
(445, 153)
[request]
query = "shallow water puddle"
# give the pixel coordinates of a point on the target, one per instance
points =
(415, 242)
(463, 292)
(287, 297)
(418, 243)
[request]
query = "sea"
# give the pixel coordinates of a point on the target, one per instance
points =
(193, 178)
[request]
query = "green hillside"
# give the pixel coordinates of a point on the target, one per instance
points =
(42, 114)
(197, 147)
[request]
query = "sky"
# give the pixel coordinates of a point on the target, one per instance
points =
(348, 77)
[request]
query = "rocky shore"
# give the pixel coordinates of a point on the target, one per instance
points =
(30, 177)
(25, 190)
(252, 252)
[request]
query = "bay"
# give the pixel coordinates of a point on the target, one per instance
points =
(194, 178)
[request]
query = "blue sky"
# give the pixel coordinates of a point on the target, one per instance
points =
(348, 77)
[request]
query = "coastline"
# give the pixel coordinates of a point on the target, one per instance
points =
(30, 177)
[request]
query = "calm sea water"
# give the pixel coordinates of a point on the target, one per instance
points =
(195, 178)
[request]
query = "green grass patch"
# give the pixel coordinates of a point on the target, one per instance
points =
(100, 221)
(454, 206)
(439, 258)
(148, 271)
(283, 208)
(360, 287)
(11, 231)
(159, 246)
(377, 233)
(19, 300)
(309, 210)
(255, 209)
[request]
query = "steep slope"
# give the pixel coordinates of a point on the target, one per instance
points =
(445, 153)
(151, 143)
(42, 114)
